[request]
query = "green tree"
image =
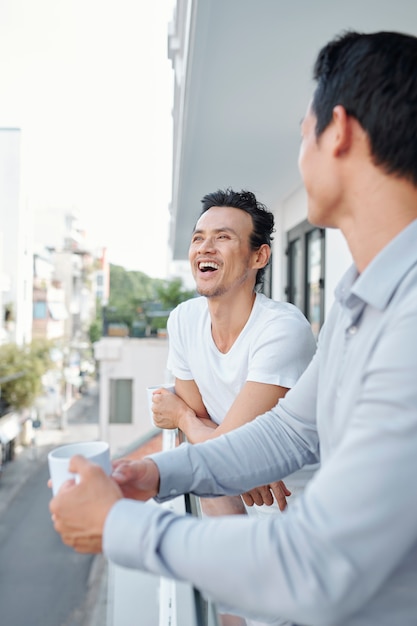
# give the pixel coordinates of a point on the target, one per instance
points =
(24, 366)
(171, 292)
(129, 287)
(95, 330)
(138, 301)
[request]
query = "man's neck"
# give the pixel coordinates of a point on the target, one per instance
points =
(229, 316)
(386, 209)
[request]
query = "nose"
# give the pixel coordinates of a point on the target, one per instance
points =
(206, 244)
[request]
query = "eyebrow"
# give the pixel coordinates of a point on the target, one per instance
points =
(216, 230)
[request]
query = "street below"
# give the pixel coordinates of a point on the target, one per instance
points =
(42, 582)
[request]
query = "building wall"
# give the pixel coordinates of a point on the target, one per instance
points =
(52, 325)
(238, 103)
(338, 257)
(16, 248)
(338, 260)
(143, 361)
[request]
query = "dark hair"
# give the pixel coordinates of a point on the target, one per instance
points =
(262, 218)
(374, 77)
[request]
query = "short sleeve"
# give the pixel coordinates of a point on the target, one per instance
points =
(177, 362)
(282, 351)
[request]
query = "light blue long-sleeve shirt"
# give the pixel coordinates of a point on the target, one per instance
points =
(346, 553)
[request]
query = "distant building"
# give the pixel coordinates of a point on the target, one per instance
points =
(78, 268)
(15, 244)
(15, 270)
(127, 367)
(101, 278)
(49, 309)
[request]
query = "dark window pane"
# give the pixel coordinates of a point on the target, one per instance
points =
(296, 273)
(305, 286)
(120, 401)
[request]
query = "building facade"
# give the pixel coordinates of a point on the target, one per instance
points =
(243, 80)
(16, 251)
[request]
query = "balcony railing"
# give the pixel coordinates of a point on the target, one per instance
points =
(181, 604)
(134, 597)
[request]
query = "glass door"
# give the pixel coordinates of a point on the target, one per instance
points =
(305, 286)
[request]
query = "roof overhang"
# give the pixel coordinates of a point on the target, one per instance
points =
(247, 75)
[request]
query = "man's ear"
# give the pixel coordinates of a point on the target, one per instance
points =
(261, 256)
(342, 131)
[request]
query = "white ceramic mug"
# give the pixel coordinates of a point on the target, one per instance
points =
(58, 460)
(150, 391)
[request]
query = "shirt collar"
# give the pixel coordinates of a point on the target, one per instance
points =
(377, 283)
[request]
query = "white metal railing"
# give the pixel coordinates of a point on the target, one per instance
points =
(180, 603)
(135, 597)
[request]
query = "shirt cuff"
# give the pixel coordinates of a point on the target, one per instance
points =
(175, 472)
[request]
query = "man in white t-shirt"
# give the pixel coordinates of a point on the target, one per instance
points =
(233, 352)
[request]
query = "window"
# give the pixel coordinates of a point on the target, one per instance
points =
(39, 311)
(305, 287)
(120, 401)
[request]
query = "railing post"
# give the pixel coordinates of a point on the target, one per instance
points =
(204, 613)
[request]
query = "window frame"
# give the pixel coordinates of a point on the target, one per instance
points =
(302, 233)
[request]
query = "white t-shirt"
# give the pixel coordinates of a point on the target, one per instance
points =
(274, 347)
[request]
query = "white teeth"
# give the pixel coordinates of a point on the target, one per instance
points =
(206, 264)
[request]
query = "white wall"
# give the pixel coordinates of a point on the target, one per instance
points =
(338, 259)
(337, 255)
(288, 214)
(294, 208)
(17, 230)
(144, 361)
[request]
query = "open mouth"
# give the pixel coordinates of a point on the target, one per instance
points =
(207, 266)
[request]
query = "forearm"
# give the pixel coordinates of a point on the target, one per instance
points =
(321, 566)
(196, 429)
(226, 505)
(226, 465)
(276, 444)
(185, 548)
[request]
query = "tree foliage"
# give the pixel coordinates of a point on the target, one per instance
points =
(136, 299)
(95, 330)
(171, 292)
(127, 288)
(25, 366)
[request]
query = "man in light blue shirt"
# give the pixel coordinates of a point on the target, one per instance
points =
(346, 553)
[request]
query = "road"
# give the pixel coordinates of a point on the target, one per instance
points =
(42, 582)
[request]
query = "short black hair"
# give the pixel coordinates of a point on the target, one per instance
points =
(374, 77)
(262, 219)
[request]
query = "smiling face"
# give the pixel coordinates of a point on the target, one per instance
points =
(220, 255)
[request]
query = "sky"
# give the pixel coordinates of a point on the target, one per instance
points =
(90, 85)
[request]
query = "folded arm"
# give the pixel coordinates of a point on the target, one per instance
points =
(185, 410)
